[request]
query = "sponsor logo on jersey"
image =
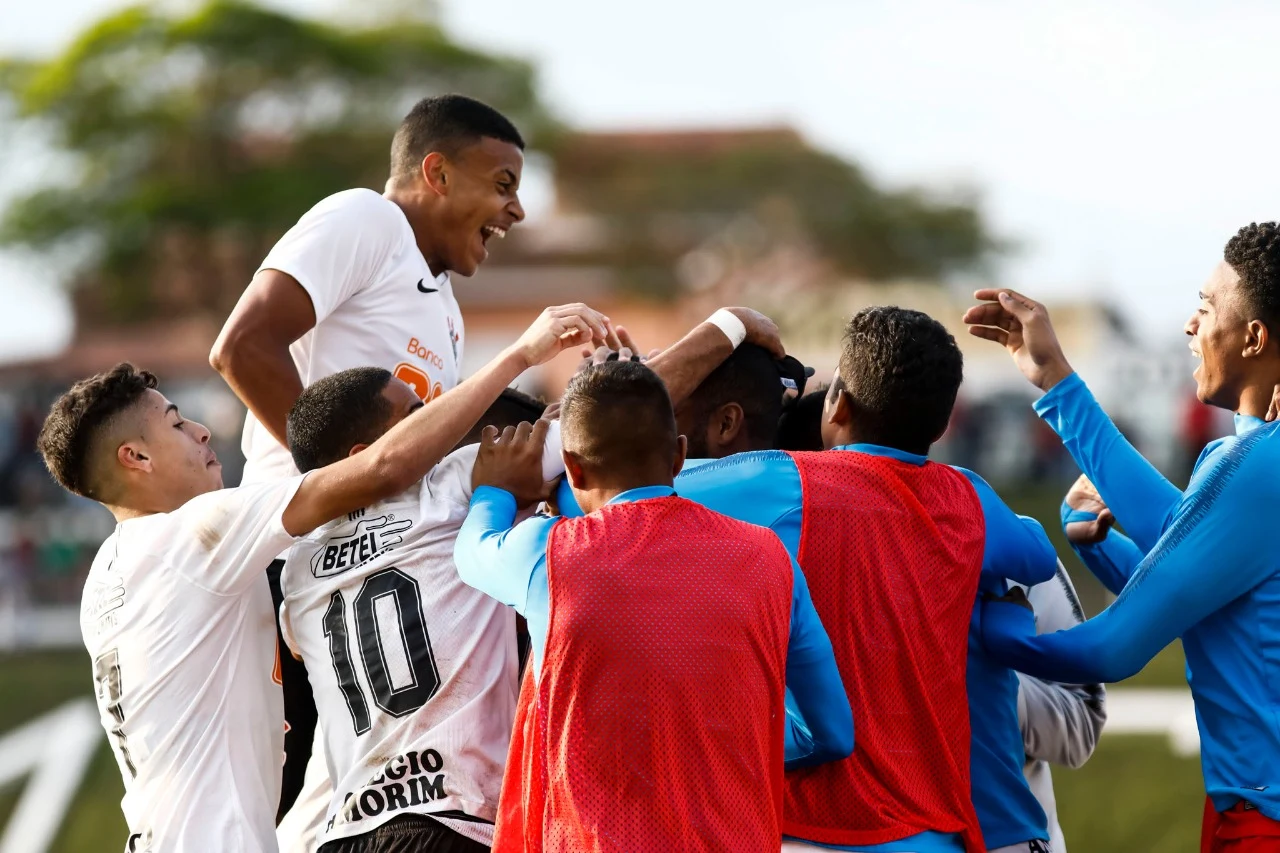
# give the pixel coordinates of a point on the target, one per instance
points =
(405, 783)
(430, 356)
(422, 287)
(371, 538)
(419, 381)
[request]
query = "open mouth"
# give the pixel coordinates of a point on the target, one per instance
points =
(492, 231)
(213, 460)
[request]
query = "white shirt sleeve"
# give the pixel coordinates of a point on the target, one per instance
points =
(223, 541)
(338, 247)
(1060, 722)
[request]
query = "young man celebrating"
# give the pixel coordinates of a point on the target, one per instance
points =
(664, 636)
(1210, 573)
(736, 409)
(176, 614)
(895, 548)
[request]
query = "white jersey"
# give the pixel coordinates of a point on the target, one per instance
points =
(177, 619)
(376, 304)
(415, 674)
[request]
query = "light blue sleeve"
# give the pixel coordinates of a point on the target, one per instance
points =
(566, 503)
(1139, 496)
(1017, 548)
(819, 720)
(1218, 547)
(500, 560)
(761, 487)
(1113, 560)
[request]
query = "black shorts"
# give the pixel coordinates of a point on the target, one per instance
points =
(299, 706)
(408, 833)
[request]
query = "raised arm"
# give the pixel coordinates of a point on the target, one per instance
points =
(819, 721)
(1214, 551)
(688, 361)
(1137, 493)
(407, 452)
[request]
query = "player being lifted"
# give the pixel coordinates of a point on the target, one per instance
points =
(176, 613)
(413, 671)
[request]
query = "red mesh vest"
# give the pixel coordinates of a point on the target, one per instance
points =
(892, 553)
(656, 723)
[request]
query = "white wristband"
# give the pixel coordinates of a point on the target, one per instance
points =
(728, 322)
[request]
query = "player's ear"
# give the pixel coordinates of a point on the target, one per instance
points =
(1256, 338)
(838, 410)
(728, 421)
(573, 470)
(682, 449)
(356, 449)
(133, 456)
(434, 171)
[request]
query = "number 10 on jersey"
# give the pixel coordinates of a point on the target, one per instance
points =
(395, 650)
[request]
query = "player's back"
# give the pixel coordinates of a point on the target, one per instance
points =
(660, 699)
(892, 551)
(177, 619)
(414, 672)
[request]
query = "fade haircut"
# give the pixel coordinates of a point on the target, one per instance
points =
(78, 418)
(335, 414)
(800, 427)
(448, 124)
(749, 378)
(511, 407)
(617, 418)
(1254, 253)
(901, 370)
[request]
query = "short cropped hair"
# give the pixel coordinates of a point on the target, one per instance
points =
(511, 407)
(750, 378)
(446, 123)
(1254, 253)
(76, 420)
(335, 414)
(800, 427)
(902, 370)
(617, 417)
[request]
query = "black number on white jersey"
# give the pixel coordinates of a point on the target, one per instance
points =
(401, 628)
(106, 683)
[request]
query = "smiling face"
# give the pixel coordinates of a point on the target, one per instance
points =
(1219, 330)
(480, 202)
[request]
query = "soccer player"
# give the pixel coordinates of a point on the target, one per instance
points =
(176, 615)
(664, 636)
(895, 548)
(1210, 573)
(363, 279)
(416, 693)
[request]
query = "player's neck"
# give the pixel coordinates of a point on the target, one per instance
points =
(593, 498)
(416, 209)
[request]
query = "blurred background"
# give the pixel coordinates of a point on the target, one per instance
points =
(805, 158)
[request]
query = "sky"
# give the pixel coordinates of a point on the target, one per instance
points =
(1120, 143)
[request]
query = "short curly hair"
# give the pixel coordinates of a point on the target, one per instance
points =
(336, 413)
(1254, 253)
(79, 416)
(902, 370)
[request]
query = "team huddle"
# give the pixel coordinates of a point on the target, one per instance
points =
(695, 605)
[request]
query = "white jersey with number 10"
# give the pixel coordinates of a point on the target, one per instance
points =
(414, 672)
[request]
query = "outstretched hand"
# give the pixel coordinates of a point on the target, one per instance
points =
(512, 460)
(559, 328)
(1022, 327)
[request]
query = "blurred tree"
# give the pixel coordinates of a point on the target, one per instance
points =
(666, 193)
(194, 141)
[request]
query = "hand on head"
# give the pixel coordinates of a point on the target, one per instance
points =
(1022, 327)
(1083, 497)
(559, 328)
(512, 461)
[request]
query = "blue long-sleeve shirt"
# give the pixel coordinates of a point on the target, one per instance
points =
(1113, 560)
(764, 488)
(510, 564)
(1212, 577)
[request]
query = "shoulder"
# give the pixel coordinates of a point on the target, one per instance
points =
(356, 206)
(736, 468)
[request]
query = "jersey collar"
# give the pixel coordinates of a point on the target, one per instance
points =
(890, 452)
(643, 493)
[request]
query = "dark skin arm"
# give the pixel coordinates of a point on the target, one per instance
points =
(252, 350)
